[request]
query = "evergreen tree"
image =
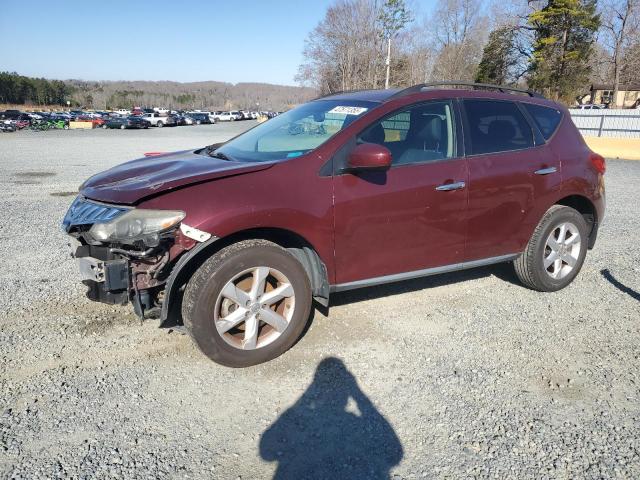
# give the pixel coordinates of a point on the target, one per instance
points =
(564, 35)
(499, 58)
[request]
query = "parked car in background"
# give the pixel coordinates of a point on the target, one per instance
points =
(8, 126)
(155, 119)
(183, 119)
(200, 118)
(590, 106)
(20, 119)
(226, 117)
(172, 120)
(126, 122)
(95, 121)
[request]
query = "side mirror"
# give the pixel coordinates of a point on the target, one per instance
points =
(369, 156)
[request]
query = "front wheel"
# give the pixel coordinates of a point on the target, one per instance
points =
(247, 304)
(122, 127)
(556, 251)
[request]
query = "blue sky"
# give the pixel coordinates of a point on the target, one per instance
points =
(226, 40)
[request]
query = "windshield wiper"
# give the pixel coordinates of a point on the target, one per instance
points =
(215, 154)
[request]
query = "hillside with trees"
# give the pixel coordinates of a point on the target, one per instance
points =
(197, 95)
(18, 89)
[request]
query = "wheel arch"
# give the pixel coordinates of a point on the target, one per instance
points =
(189, 262)
(587, 209)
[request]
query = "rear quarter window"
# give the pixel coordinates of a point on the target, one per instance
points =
(547, 119)
(495, 126)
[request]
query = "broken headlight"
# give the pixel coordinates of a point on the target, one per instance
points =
(137, 225)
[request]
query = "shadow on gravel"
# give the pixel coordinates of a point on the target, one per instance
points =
(620, 286)
(503, 271)
(332, 431)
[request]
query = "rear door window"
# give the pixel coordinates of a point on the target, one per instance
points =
(547, 119)
(495, 126)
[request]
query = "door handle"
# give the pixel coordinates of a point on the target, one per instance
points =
(546, 171)
(450, 186)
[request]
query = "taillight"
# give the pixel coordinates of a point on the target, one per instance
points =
(598, 162)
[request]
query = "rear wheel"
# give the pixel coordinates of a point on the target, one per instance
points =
(122, 127)
(247, 304)
(556, 251)
(160, 124)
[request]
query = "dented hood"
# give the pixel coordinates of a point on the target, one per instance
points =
(130, 182)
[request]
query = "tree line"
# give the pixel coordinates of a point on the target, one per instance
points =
(211, 95)
(19, 89)
(557, 47)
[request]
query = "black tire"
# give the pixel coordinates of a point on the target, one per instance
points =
(203, 290)
(159, 124)
(105, 126)
(529, 266)
(122, 127)
(198, 122)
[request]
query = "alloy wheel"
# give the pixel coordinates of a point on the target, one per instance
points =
(254, 308)
(562, 250)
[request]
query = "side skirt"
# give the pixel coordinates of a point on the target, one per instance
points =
(398, 277)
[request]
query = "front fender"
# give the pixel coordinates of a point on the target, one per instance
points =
(180, 275)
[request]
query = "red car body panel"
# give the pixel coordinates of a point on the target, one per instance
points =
(373, 224)
(130, 182)
(271, 198)
(395, 221)
(505, 198)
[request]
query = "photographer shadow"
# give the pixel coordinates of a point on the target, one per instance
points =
(332, 431)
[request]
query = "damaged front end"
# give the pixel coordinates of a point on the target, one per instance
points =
(125, 254)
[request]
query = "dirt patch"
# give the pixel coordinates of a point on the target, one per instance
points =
(63, 194)
(36, 174)
(26, 182)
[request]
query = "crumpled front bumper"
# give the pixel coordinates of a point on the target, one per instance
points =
(107, 275)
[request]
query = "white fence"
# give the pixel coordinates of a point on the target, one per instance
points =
(607, 123)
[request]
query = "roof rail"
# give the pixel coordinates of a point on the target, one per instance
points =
(424, 86)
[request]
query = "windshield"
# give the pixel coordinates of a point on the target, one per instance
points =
(295, 132)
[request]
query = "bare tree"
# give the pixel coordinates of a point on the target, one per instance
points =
(344, 51)
(459, 33)
(619, 24)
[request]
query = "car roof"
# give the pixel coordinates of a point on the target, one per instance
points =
(363, 95)
(441, 90)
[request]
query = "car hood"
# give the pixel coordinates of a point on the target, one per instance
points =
(133, 181)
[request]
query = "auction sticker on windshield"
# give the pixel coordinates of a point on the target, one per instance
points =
(348, 110)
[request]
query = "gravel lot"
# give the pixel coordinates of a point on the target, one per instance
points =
(456, 376)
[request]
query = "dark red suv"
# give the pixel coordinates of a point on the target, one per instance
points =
(235, 240)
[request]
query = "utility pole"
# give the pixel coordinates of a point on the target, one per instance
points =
(386, 80)
(393, 17)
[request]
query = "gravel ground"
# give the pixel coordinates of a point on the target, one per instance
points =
(465, 375)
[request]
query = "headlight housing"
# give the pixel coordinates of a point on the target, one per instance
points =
(137, 224)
